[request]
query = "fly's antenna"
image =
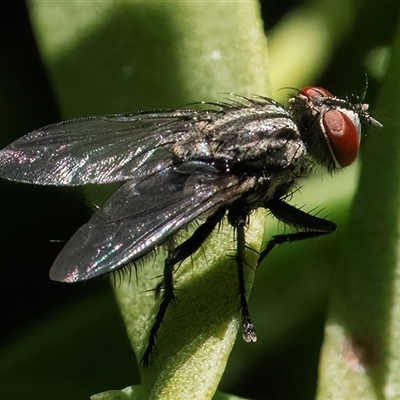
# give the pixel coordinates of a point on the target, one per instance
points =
(364, 95)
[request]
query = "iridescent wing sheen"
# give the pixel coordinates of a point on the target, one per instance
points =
(93, 150)
(142, 215)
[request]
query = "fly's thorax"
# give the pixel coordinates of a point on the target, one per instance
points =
(272, 184)
(257, 136)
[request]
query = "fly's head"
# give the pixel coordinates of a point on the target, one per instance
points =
(330, 126)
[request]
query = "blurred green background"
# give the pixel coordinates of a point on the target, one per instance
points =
(68, 341)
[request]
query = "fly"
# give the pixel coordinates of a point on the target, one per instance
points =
(179, 165)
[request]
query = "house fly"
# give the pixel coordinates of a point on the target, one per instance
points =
(179, 165)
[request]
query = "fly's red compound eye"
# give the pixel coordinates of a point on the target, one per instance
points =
(340, 129)
(315, 91)
(343, 136)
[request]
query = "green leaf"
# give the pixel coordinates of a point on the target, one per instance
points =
(137, 393)
(129, 393)
(303, 42)
(193, 50)
(361, 355)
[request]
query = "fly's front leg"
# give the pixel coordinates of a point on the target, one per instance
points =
(179, 254)
(309, 225)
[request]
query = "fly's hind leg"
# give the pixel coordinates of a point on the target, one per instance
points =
(179, 254)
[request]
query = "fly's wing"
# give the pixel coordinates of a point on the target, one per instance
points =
(93, 150)
(122, 147)
(142, 215)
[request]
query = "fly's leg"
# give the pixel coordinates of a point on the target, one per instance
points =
(237, 217)
(249, 335)
(180, 253)
(309, 225)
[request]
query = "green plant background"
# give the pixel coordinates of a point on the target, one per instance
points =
(113, 57)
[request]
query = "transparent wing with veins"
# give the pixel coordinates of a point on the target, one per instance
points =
(142, 215)
(94, 150)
